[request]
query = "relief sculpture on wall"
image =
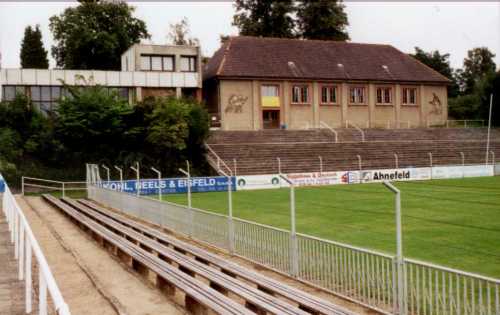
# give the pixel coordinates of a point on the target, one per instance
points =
(235, 104)
(436, 105)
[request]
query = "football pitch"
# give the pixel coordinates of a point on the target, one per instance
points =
(455, 223)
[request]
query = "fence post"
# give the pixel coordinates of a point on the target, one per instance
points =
(27, 278)
(159, 181)
(430, 159)
(465, 123)
(107, 172)
(294, 255)
(231, 223)
(235, 167)
(279, 165)
(399, 248)
(396, 161)
(462, 155)
(22, 185)
(188, 174)
(492, 157)
(138, 184)
(320, 165)
(121, 176)
(359, 161)
(63, 190)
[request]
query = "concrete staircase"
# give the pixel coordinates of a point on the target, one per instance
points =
(300, 151)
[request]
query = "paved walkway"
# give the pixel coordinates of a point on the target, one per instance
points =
(11, 289)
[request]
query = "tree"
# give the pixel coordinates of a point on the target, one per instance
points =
(265, 18)
(180, 34)
(322, 19)
(33, 55)
(94, 35)
(479, 62)
(440, 63)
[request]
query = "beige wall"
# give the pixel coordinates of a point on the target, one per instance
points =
(432, 107)
(237, 105)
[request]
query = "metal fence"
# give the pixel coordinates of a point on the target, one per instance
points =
(26, 247)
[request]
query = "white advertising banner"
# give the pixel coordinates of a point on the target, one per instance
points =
(258, 182)
(401, 174)
(316, 178)
(497, 169)
(441, 172)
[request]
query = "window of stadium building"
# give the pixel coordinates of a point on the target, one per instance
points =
(329, 94)
(300, 94)
(357, 95)
(409, 96)
(157, 63)
(384, 96)
(188, 63)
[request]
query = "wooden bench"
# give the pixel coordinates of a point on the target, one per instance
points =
(305, 301)
(199, 296)
(256, 300)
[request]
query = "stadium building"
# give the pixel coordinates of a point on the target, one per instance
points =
(267, 83)
(146, 70)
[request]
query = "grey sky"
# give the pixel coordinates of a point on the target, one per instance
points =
(452, 27)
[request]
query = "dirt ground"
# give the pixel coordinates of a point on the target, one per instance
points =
(91, 280)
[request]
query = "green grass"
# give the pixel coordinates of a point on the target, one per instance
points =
(455, 223)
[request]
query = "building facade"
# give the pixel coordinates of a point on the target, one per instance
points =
(262, 83)
(147, 70)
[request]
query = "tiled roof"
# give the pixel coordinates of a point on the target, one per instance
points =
(257, 57)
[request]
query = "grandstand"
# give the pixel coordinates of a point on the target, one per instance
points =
(292, 151)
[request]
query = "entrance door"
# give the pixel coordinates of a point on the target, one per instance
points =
(271, 119)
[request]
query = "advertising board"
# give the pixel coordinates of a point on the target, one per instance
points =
(2, 184)
(497, 169)
(257, 182)
(401, 174)
(442, 172)
(172, 185)
(316, 178)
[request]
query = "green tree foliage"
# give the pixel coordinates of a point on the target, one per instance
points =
(90, 122)
(94, 34)
(475, 105)
(265, 18)
(479, 63)
(322, 19)
(440, 63)
(33, 55)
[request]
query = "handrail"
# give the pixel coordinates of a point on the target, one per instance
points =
(58, 185)
(219, 160)
(324, 124)
(347, 123)
(25, 244)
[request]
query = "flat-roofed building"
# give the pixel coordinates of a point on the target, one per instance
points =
(146, 70)
(254, 83)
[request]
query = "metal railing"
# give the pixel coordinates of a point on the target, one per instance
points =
(361, 275)
(26, 247)
(40, 184)
(216, 161)
(348, 123)
(325, 125)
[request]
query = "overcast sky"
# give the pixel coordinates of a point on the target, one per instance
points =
(452, 27)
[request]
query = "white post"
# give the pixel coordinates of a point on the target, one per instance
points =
(430, 159)
(21, 250)
(27, 278)
(462, 155)
(235, 167)
(489, 128)
(359, 162)
(279, 165)
(492, 158)
(230, 211)
(396, 161)
(107, 171)
(121, 176)
(138, 184)
(399, 247)
(191, 217)
(320, 165)
(159, 181)
(22, 185)
(294, 255)
(63, 190)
